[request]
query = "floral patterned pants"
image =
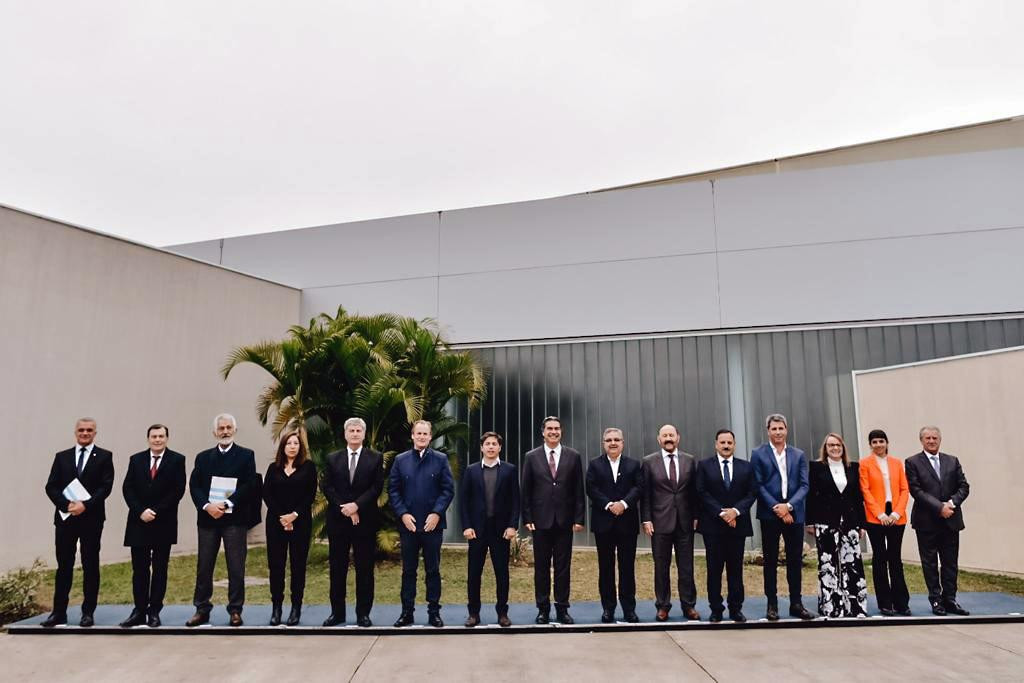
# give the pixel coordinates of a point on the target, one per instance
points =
(843, 589)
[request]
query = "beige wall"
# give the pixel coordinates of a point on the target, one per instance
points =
(976, 401)
(129, 335)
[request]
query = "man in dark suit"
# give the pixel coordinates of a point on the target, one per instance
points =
(727, 489)
(782, 486)
(489, 507)
(553, 508)
(420, 489)
(222, 520)
(614, 485)
(352, 481)
(79, 522)
(153, 487)
(939, 487)
(669, 510)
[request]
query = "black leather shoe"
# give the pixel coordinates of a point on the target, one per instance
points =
(632, 618)
(334, 620)
(565, 618)
(154, 621)
(504, 621)
(295, 616)
(275, 614)
(800, 612)
(86, 621)
(197, 619)
(136, 618)
(543, 617)
(738, 617)
(472, 620)
(607, 618)
(54, 620)
(887, 611)
(715, 617)
(772, 614)
(905, 612)
(404, 619)
(938, 610)
(364, 622)
(434, 619)
(953, 607)
(235, 619)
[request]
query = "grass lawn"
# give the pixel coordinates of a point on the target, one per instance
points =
(116, 584)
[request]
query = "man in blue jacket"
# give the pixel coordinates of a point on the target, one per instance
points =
(782, 485)
(420, 489)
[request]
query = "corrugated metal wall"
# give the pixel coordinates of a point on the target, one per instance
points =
(701, 383)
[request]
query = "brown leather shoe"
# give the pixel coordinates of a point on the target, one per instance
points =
(692, 614)
(472, 620)
(236, 619)
(662, 615)
(197, 619)
(504, 621)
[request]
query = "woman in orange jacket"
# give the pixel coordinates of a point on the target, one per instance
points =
(883, 484)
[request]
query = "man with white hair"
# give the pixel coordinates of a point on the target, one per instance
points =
(223, 516)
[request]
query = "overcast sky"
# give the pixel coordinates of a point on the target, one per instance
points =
(171, 122)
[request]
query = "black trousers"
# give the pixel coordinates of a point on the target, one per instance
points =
(617, 547)
(887, 566)
(793, 537)
(149, 576)
(68, 535)
(362, 548)
(662, 546)
(552, 546)
(939, 548)
(725, 551)
(287, 547)
(235, 550)
(488, 539)
(430, 545)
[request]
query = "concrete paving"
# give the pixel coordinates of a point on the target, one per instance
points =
(960, 652)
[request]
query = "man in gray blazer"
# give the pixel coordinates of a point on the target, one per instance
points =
(939, 487)
(669, 510)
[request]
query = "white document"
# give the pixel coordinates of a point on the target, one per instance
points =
(74, 492)
(221, 488)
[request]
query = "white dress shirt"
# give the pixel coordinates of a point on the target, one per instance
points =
(732, 474)
(615, 477)
(153, 459)
(780, 460)
(883, 465)
(838, 474)
(666, 460)
(558, 453)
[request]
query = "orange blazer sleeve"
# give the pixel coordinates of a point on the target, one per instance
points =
(873, 491)
(900, 489)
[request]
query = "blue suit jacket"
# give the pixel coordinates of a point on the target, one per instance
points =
(419, 486)
(473, 500)
(769, 481)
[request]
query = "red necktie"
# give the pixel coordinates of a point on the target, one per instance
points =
(152, 470)
(672, 476)
(551, 464)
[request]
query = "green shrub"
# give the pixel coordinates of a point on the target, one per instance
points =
(18, 592)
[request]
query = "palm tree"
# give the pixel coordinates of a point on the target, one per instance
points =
(387, 369)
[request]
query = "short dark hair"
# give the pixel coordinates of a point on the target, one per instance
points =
(877, 434)
(158, 426)
(550, 418)
(723, 430)
(488, 435)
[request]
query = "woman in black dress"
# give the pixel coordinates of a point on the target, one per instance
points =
(835, 508)
(289, 489)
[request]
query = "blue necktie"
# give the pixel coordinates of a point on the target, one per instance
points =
(726, 479)
(81, 460)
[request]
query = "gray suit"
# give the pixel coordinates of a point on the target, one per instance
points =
(672, 510)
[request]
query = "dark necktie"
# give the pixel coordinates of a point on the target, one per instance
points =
(551, 463)
(672, 476)
(351, 466)
(154, 466)
(726, 479)
(81, 460)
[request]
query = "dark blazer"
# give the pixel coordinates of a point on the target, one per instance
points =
(714, 496)
(553, 503)
(930, 492)
(238, 462)
(826, 505)
(664, 506)
(603, 490)
(161, 495)
(419, 486)
(364, 490)
(97, 478)
(473, 500)
(769, 481)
